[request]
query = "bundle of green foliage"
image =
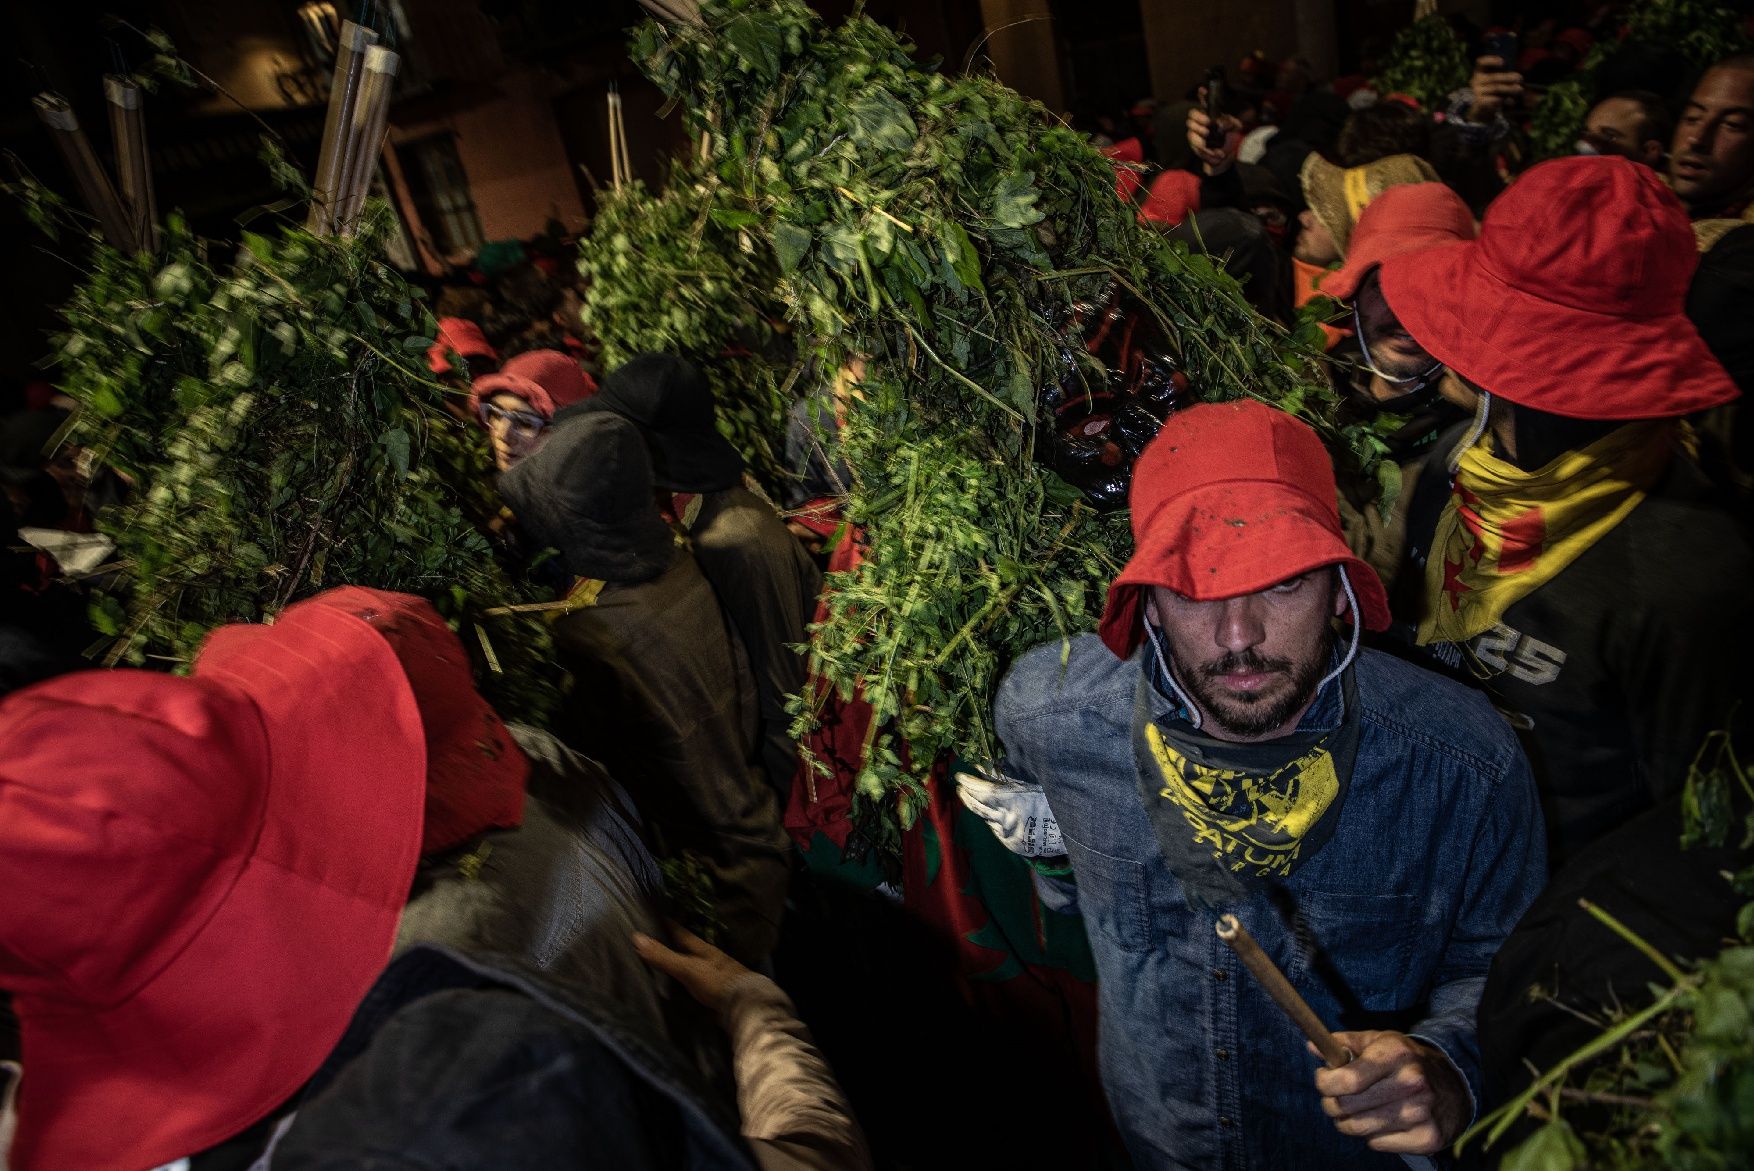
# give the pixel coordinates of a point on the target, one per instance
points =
(280, 435)
(944, 227)
(1702, 30)
(677, 272)
(1677, 1073)
(1427, 61)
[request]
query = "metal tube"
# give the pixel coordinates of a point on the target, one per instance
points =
(133, 161)
(88, 174)
(371, 114)
(350, 50)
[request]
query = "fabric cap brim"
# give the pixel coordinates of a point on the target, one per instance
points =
(1547, 356)
(529, 390)
(1203, 547)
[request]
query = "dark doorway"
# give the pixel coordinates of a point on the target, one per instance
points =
(1102, 51)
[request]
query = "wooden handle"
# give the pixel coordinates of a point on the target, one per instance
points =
(1267, 973)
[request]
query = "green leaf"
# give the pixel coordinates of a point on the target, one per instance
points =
(790, 244)
(1014, 199)
(395, 442)
(1555, 1147)
(730, 217)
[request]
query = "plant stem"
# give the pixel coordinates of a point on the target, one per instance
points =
(1674, 973)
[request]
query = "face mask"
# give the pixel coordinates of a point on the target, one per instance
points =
(1584, 146)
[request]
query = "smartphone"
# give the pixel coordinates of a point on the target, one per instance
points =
(1214, 107)
(1503, 46)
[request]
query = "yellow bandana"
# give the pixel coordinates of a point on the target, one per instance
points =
(1253, 823)
(1506, 532)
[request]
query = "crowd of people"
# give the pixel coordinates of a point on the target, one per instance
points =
(315, 904)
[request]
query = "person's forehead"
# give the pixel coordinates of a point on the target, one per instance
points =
(1616, 110)
(505, 400)
(1723, 89)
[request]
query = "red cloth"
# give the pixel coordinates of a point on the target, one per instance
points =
(818, 803)
(546, 379)
(461, 335)
(1121, 154)
(203, 876)
(1402, 220)
(1174, 196)
(475, 772)
(1572, 300)
(1228, 499)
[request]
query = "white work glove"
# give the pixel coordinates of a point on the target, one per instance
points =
(1017, 811)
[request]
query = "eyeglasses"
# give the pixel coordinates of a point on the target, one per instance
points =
(519, 424)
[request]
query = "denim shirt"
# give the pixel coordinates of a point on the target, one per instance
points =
(1392, 925)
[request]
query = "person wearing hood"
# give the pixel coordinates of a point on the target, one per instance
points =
(662, 693)
(517, 403)
(1220, 747)
(763, 575)
(356, 804)
(1568, 555)
(1384, 370)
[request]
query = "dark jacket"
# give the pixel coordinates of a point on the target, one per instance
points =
(768, 586)
(475, 1061)
(1613, 672)
(663, 697)
(1680, 901)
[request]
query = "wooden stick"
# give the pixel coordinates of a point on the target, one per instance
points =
(350, 50)
(133, 161)
(93, 181)
(1264, 970)
(1279, 988)
(371, 114)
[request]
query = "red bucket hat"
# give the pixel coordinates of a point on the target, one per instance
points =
(461, 335)
(546, 379)
(1228, 499)
(204, 875)
(1572, 301)
(475, 772)
(1402, 220)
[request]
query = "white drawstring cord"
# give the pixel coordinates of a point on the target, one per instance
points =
(1474, 432)
(1357, 625)
(1194, 716)
(1370, 360)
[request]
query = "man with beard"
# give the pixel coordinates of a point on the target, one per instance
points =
(1219, 749)
(1711, 160)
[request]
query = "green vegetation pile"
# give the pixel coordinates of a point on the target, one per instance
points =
(943, 227)
(273, 418)
(675, 271)
(1426, 61)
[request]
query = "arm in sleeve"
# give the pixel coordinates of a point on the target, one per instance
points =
(1506, 869)
(794, 1114)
